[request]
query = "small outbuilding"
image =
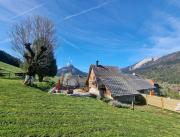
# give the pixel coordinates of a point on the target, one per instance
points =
(110, 82)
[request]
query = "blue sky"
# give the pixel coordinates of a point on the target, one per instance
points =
(116, 32)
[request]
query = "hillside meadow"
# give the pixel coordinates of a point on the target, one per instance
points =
(9, 68)
(28, 111)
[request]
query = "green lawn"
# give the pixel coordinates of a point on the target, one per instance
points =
(26, 111)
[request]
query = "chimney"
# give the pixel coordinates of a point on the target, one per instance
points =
(97, 63)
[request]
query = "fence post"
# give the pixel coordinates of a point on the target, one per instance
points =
(146, 99)
(162, 103)
(132, 105)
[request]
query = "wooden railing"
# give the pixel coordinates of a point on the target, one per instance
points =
(164, 103)
(12, 75)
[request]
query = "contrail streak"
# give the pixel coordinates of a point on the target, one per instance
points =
(70, 43)
(27, 11)
(86, 11)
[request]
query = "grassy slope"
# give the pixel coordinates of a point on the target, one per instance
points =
(9, 68)
(29, 111)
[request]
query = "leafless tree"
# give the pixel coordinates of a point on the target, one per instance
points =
(40, 32)
(21, 34)
(31, 30)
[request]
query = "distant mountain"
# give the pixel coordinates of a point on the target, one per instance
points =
(70, 69)
(165, 69)
(142, 63)
(8, 59)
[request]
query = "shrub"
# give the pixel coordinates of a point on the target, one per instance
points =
(118, 104)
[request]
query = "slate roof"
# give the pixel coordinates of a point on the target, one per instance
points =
(118, 83)
(138, 82)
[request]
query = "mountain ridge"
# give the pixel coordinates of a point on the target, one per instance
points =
(142, 63)
(70, 69)
(165, 68)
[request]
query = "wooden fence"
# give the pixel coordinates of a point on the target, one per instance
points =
(164, 103)
(12, 75)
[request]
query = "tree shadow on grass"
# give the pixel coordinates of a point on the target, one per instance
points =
(42, 86)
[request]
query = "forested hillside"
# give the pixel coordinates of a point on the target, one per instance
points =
(165, 69)
(8, 59)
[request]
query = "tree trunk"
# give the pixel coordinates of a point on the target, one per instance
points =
(41, 78)
(29, 80)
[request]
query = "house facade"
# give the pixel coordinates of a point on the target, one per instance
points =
(109, 82)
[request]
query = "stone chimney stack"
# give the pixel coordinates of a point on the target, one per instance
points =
(97, 63)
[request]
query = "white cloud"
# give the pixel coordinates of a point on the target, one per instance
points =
(165, 41)
(176, 3)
